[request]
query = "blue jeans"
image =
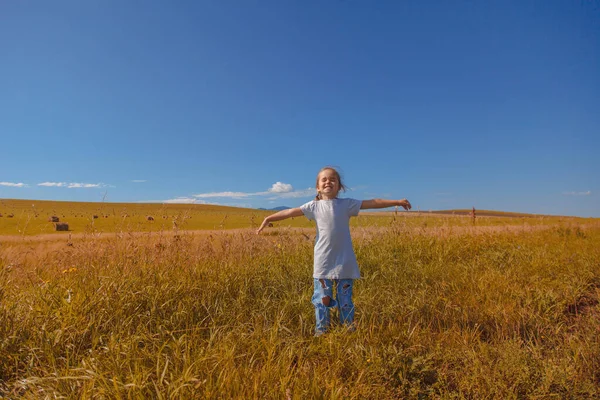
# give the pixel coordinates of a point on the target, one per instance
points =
(323, 301)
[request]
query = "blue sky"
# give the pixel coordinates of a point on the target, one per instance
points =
(456, 104)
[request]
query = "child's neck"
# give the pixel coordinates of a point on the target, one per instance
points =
(328, 197)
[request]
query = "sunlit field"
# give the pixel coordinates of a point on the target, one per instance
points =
(31, 217)
(448, 307)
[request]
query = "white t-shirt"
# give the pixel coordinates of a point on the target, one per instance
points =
(334, 255)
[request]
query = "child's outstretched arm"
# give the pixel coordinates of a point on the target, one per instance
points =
(382, 203)
(278, 216)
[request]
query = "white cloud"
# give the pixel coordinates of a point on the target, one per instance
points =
(84, 185)
(240, 205)
(278, 190)
(588, 193)
(182, 200)
(234, 195)
(73, 185)
(296, 194)
(178, 200)
(50, 184)
(280, 187)
(11, 184)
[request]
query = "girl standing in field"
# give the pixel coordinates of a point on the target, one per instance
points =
(334, 258)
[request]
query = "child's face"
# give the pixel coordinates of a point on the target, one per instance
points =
(328, 183)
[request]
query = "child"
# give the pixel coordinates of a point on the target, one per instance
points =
(334, 259)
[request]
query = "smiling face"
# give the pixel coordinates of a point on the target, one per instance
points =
(328, 184)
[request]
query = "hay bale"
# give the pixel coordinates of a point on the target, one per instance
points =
(94, 216)
(10, 215)
(61, 226)
(150, 218)
(53, 218)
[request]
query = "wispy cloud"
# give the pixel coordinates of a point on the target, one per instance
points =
(177, 200)
(278, 190)
(11, 184)
(73, 185)
(588, 193)
(139, 180)
(240, 205)
(52, 184)
(85, 185)
(183, 200)
(186, 200)
(235, 195)
(309, 192)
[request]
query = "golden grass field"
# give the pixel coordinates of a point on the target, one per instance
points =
(120, 307)
(31, 217)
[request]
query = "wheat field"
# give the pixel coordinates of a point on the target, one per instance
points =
(447, 308)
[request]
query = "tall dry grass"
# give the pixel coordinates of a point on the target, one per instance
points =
(450, 312)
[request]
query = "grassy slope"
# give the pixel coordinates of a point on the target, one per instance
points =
(31, 217)
(444, 310)
(489, 213)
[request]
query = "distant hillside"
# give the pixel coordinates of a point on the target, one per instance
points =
(463, 212)
(276, 208)
(485, 213)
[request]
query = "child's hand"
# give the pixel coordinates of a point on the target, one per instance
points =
(405, 204)
(278, 216)
(262, 226)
